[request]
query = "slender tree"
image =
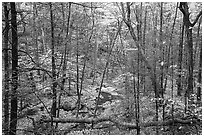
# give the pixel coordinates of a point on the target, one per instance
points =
(6, 72)
(172, 87)
(54, 84)
(77, 70)
(135, 94)
(180, 56)
(144, 47)
(200, 66)
(68, 36)
(138, 14)
(93, 73)
(14, 99)
(155, 75)
(169, 48)
(162, 57)
(35, 35)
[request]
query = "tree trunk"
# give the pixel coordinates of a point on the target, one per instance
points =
(200, 76)
(180, 56)
(200, 69)
(190, 60)
(44, 47)
(65, 54)
(155, 75)
(93, 72)
(14, 99)
(144, 48)
(139, 34)
(162, 58)
(77, 67)
(54, 84)
(6, 72)
(35, 14)
(197, 48)
(138, 95)
(135, 94)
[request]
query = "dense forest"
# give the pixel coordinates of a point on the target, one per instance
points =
(97, 68)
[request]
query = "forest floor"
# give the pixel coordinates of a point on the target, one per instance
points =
(112, 103)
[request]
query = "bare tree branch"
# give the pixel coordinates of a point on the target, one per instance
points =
(198, 16)
(184, 9)
(85, 5)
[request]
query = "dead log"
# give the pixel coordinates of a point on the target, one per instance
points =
(74, 120)
(126, 125)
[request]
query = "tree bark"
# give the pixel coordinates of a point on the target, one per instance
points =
(200, 77)
(138, 96)
(54, 84)
(200, 69)
(6, 72)
(35, 36)
(93, 72)
(135, 94)
(162, 58)
(144, 48)
(180, 56)
(14, 99)
(77, 67)
(155, 75)
(139, 34)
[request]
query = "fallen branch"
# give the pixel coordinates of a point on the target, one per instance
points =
(126, 125)
(74, 120)
(162, 123)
